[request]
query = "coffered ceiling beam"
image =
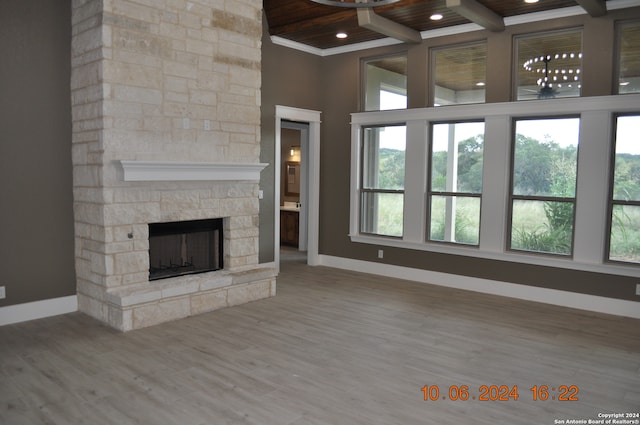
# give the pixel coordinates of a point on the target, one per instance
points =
(594, 8)
(367, 18)
(479, 14)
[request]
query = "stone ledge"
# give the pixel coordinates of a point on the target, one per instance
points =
(180, 307)
(148, 292)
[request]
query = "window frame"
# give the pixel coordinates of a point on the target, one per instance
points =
(592, 190)
(454, 194)
(611, 201)
(432, 71)
(516, 65)
(364, 191)
(538, 198)
(617, 65)
(364, 79)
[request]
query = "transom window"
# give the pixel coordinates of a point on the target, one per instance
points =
(548, 65)
(460, 74)
(385, 83)
(628, 64)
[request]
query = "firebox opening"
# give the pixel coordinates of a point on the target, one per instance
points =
(185, 247)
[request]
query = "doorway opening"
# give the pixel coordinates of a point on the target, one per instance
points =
(294, 146)
(307, 124)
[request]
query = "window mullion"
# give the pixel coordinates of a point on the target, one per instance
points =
(592, 189)
(495, 183)
(415, 182)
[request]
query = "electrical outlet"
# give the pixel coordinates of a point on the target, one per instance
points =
(637, 288)
(380, 253)
(207, 125)
(3, 293)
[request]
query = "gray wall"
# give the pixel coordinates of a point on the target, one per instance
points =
(339, 96)
(36, 220)
(289, 78)
(36, 206)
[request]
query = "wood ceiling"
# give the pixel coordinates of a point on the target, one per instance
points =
(316, 25)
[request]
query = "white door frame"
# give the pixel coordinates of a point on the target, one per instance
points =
(313, 198)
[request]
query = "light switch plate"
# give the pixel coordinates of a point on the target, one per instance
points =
(3, 293)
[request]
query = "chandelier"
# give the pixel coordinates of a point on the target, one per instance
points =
(556, 69)
(355, 3)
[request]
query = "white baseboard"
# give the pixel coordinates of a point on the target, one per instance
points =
(38, 309)
(524, 292)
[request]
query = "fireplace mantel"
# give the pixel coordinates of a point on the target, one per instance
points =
(190, 171)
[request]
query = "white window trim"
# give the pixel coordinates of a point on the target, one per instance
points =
(592, 191)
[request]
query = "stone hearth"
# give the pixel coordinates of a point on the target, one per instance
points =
(166, 125)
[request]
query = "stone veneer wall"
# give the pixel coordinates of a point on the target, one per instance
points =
(168, 80)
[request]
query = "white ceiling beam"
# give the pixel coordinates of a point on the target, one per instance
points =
(477, 13)
(594, 8)
(367, 18)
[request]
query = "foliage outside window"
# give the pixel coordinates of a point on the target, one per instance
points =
(548, 65)
(383, 173)
(385, 83)
(545, 159)
(456, 182)
(460, 74)
(628, 65)
(624, 242)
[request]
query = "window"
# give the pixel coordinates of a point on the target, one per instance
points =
(628, 65)
(460, 74)
(545, 158)
(385, 83)
(624, 241)
(382, 194)
(456, 182)
(528, 205)
(548, 65)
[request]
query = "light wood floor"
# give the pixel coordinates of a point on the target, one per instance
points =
(332, 348)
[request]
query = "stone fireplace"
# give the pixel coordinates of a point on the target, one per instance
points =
(166, 127)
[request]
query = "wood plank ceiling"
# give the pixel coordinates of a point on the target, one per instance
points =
(316, 25)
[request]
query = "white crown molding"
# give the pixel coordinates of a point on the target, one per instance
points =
(621, 4)
(334, 50)
(190, 171)
(457, 29)
(295, 45)
(527, 18)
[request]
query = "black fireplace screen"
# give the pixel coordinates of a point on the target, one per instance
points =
(185, 247)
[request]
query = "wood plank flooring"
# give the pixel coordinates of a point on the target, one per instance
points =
(332, 348)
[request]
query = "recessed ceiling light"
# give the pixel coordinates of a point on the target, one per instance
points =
(435, 17)
(480, 84)
(341, 35)
(624, 83)
(531, 1)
